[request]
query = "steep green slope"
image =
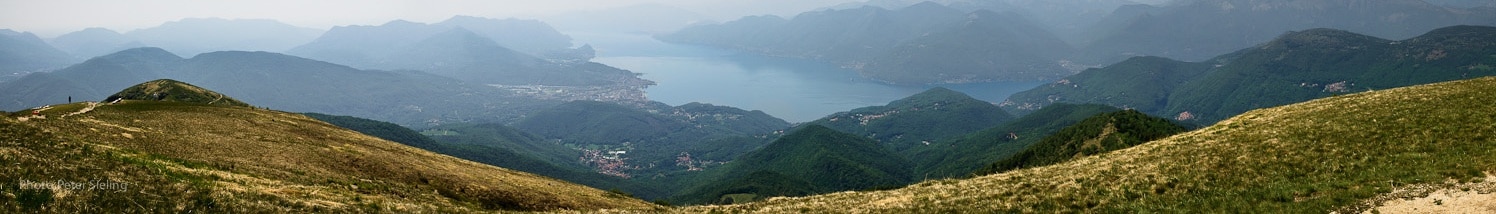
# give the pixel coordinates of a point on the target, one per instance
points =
(1095, 135)
(813, 159)
(962, 155)
(934, 114)
(1333, 154)
(190, 157)
(1142, 83)
(462, 54)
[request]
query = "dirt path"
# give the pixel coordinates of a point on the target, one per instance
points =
(1444, 201)
(90, 107)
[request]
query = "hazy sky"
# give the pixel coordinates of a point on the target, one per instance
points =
(49, 18)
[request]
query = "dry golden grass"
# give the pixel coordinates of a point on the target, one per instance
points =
(1333, 154)
(249, 160)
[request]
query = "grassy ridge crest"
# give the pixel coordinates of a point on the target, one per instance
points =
(192, 157)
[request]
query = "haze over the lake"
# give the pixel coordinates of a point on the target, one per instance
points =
(52, 18)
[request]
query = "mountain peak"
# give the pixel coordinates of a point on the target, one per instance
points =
(929, 6)
(143, 52)
(174, 91)
(938, 91)
(400, 23)
(933, 96)
(97, 31)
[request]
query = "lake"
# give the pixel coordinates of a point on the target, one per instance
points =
(796, 90)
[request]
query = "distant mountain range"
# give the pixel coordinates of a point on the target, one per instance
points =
(954, 41)
(93, 42)
(918, 44)
(22, 53)
(1200, 29)
(648, 18)
(1068, 19)
(474, 49)
(478, 50)
(281, 82)
(192, 36)
(1296, 67)
(1463, 3)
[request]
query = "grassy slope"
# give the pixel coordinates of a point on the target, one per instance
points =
(1317, 156)
(174, 91)
(179, 157)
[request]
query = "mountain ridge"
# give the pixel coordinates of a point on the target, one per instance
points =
(1296, 67)
(1198, 30)
(1329, 154)
(891, 45)
(934, 114)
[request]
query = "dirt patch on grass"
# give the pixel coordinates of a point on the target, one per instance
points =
(1478, 196)
(1444, 201)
